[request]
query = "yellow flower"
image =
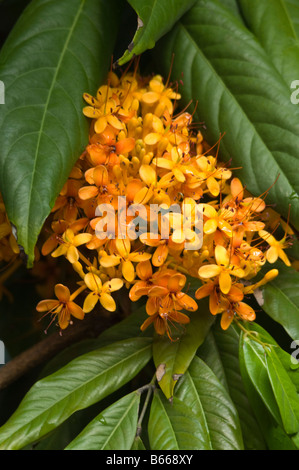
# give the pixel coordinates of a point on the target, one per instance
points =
(125, 257)
(214, 220)
(159, 96)
(210, 173)
(276, 248)
(224, 269)
(70, 241)
(100, 292)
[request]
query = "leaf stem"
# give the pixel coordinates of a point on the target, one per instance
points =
(150, 388)
(252, 334)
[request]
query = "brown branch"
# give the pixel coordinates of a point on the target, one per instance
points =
(93, 324)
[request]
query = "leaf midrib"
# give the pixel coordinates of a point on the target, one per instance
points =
(61, 58)
(227, 90)
(282, 293)
(74, 390)
(113, 431)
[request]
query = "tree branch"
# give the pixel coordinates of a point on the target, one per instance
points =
(93, 324)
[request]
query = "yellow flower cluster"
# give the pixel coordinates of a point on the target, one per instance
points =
(141, 152)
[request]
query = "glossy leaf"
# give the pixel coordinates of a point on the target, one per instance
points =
(212, 406)
(138, 444)
(79, 384)
(243, 91)
(129, 327)
(113, 429)
(285, 393)
(275, 436)
(173, 426)
(46, 64)
(264, 18)
(220, 352)
(280, 299)
(292, 8)
(253, 356)
(177, 355)
(155, 18)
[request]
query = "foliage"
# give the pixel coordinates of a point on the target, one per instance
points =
(194, 350)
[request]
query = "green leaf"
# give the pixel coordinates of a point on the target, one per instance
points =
(113, 429)
(138, 444)
(155, 18)
(212, 406)
(280, 299)
(285, 393)
(274, 435)
(177, 355)
(293, 11)
(253, 358)
(233, 6)
(79, 384)
(173, 426)
(42, 127)
(288, 361)
(125, 329)
(220, 352)
(264, 18)
(242, 91)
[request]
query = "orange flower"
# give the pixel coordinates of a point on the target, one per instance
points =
(63, 308)
(105, 149)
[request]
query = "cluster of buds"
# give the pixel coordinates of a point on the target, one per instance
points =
(141, 157)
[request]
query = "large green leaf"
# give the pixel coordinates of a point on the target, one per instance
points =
(155, 18)
(113, 429)
(293, 11)
(177, 355)
(285, 393)
(242, 90)
(129, 327)
(79, 384)
(280, 299)
(274, 435)
(57, 50)
(253, 358)
(220, 352)
(212, 406)
(173, 426)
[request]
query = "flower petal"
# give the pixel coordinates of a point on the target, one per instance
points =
(113, 285)
(221, 256)
(90, 302)
(108, 302)
(209, 270)
(47, 305)
(62, 293)
(75, 310)
(225, 282)
(128, 270)
(93, 282)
